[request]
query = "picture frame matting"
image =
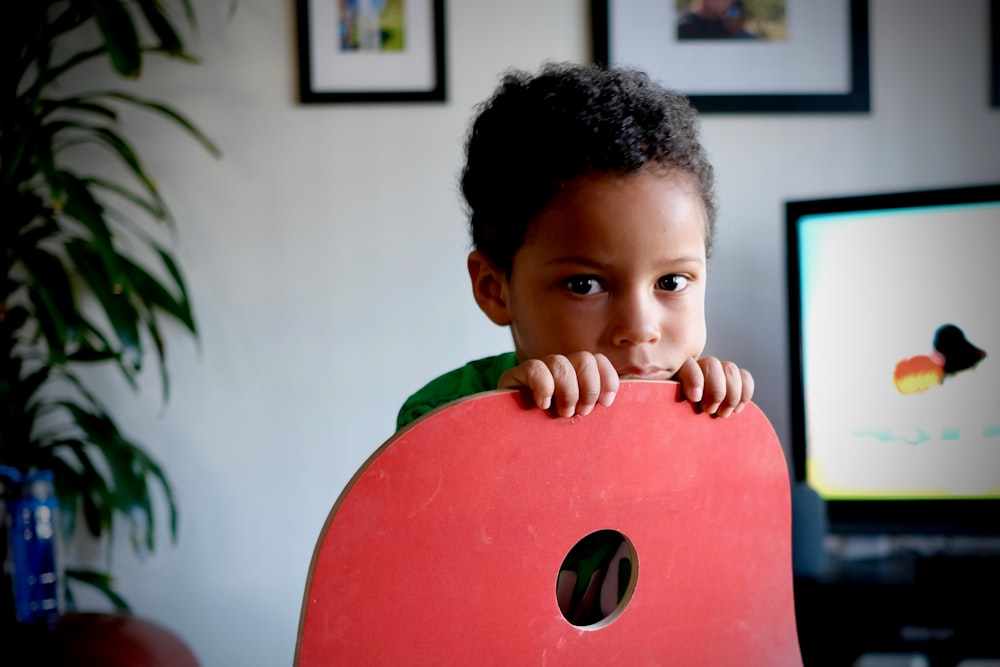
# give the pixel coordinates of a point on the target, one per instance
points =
(345, 57)
(822, 67)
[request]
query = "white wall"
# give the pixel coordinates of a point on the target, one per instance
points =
(325, 253)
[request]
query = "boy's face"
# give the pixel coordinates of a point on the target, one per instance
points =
(615, 265)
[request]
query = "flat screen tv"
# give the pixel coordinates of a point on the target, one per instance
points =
(894, 339)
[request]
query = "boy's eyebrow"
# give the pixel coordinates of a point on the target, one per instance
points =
(573, 259)
(590, 261)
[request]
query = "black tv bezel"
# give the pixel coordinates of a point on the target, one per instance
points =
(961, 516)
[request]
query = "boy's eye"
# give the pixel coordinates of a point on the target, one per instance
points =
(584, 285)
(672, 283)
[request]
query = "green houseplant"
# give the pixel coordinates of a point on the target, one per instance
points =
(87, 278)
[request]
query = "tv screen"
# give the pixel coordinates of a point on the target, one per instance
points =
(894, 323)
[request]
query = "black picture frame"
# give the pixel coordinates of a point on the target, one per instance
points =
(995, 53)
(377, 76)
(855, 99)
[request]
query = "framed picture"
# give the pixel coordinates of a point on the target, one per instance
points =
(995, 54)
(371, 50)
(735, 56)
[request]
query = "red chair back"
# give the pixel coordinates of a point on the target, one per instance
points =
(445, 546)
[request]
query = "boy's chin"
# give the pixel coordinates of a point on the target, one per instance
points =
(646, 375)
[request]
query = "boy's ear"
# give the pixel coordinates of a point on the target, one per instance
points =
(489, 288)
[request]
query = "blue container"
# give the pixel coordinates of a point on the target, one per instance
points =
(33, 553)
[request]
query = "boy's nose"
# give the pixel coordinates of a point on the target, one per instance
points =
(636, 320)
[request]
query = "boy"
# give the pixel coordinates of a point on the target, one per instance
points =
(592, 214)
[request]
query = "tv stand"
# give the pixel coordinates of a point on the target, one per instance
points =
(943, 606)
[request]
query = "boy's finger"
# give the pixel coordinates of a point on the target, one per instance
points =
(588, 380)
(692, 380)
(715, 384)
(734, 389)
(609, 380)
(533, 375)
(566, 391)
(747, 384)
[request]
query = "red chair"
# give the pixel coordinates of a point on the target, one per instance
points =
(445, 546)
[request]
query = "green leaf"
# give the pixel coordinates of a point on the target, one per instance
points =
(80, 205)
(47, 75)
(155, 296)
(172, 115)
(113, 295)
(185, 302)
(98, 427)
(165, 32)
(12, 320)
(88, 354)
(129, 466)
(92, 335)
(161, 354)
(154, 206)
(40, 152)
(101, 581)
(121, 148)
(178, 55)
(151, 467)
(189, 13)
(133, 493)
(95, 496)
(52, 295)
(120, 36)
(64, 477)
(79, 105)
(36, 232)
(87, 395)
(29, 385)
(18, 164)
(157, 299)
(54, 331)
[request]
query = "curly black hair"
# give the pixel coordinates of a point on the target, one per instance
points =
(537, 132)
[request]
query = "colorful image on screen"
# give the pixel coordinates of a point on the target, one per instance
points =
(900, 336)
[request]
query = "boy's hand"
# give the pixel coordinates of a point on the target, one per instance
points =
(721, 388)
(576, 381)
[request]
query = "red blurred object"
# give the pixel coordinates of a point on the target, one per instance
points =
(99, 640)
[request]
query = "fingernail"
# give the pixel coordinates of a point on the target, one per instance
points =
(546, 402)
(607, 398)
